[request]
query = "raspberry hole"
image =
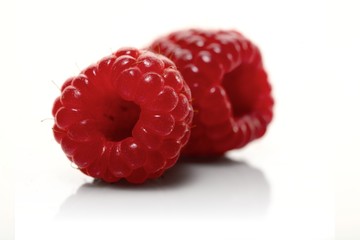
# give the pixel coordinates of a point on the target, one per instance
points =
(115, 117)
(241, 89)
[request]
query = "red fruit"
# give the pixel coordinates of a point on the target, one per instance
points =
(231, 94)
(127, 116)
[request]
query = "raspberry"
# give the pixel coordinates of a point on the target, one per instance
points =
(231, 94)
(127, 116)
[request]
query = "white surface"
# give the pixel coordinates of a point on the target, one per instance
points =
(281, 187)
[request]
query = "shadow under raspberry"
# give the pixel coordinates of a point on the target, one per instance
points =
(219, 188)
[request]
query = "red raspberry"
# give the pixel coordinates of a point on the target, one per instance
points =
(128, 116)
(231, 94)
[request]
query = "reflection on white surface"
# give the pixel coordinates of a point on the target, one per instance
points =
(223, 188)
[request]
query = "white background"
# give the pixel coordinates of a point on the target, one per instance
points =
(301, 181)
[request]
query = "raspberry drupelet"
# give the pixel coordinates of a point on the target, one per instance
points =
(125, 117)
(231, 93)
